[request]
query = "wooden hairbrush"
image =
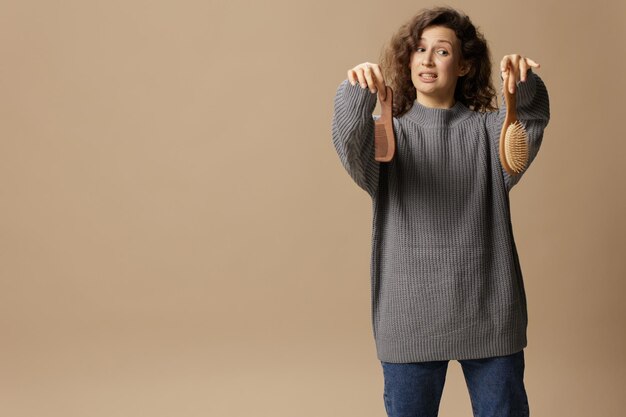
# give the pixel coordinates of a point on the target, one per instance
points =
(384, 138)
(513, 137)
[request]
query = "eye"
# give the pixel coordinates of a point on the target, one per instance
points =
(444, 51)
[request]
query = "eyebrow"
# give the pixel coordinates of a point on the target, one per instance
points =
(439, 40)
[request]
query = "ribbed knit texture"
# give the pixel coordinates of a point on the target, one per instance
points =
(446, 283)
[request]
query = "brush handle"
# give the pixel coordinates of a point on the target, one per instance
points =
(510, 119)
(510, 99)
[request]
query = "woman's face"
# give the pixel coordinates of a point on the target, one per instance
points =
(439, 53)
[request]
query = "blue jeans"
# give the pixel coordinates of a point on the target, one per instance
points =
(495, 385)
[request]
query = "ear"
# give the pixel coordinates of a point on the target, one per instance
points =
(464, 69)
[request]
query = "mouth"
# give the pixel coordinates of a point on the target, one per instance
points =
(427, 77)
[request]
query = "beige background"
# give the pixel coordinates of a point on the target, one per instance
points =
(178, 237)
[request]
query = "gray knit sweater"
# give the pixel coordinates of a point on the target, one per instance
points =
(445, 276)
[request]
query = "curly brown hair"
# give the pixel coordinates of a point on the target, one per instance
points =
(474, 89)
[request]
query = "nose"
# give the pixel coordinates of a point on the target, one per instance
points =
(427, 59)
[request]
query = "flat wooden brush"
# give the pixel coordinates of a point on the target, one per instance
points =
(513, 136)
(384, 138)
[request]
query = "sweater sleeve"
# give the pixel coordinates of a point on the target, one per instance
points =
(533, 111)
(353, 134)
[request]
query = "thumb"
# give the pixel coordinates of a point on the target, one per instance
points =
(382, 92)
(382, 89)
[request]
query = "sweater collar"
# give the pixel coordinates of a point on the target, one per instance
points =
(436, 117)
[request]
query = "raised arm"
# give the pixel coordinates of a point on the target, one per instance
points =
(533, 111)
(353, 133)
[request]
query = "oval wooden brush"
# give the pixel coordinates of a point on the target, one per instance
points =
(513, 136)
(384, 138)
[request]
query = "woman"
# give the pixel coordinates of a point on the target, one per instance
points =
(445, 276)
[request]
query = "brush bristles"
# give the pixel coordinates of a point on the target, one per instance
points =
(516, 147)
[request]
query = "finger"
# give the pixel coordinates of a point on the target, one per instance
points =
(532, 63)
(370, 80)
(361, 77)
(506, 79)
(380, 82)
(523, 68)
(352, 76)
(506, 69)
(505, 63)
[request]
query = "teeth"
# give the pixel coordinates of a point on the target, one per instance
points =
(429, 76)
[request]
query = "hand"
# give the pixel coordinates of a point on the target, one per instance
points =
(369, 76)
(514, 68)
